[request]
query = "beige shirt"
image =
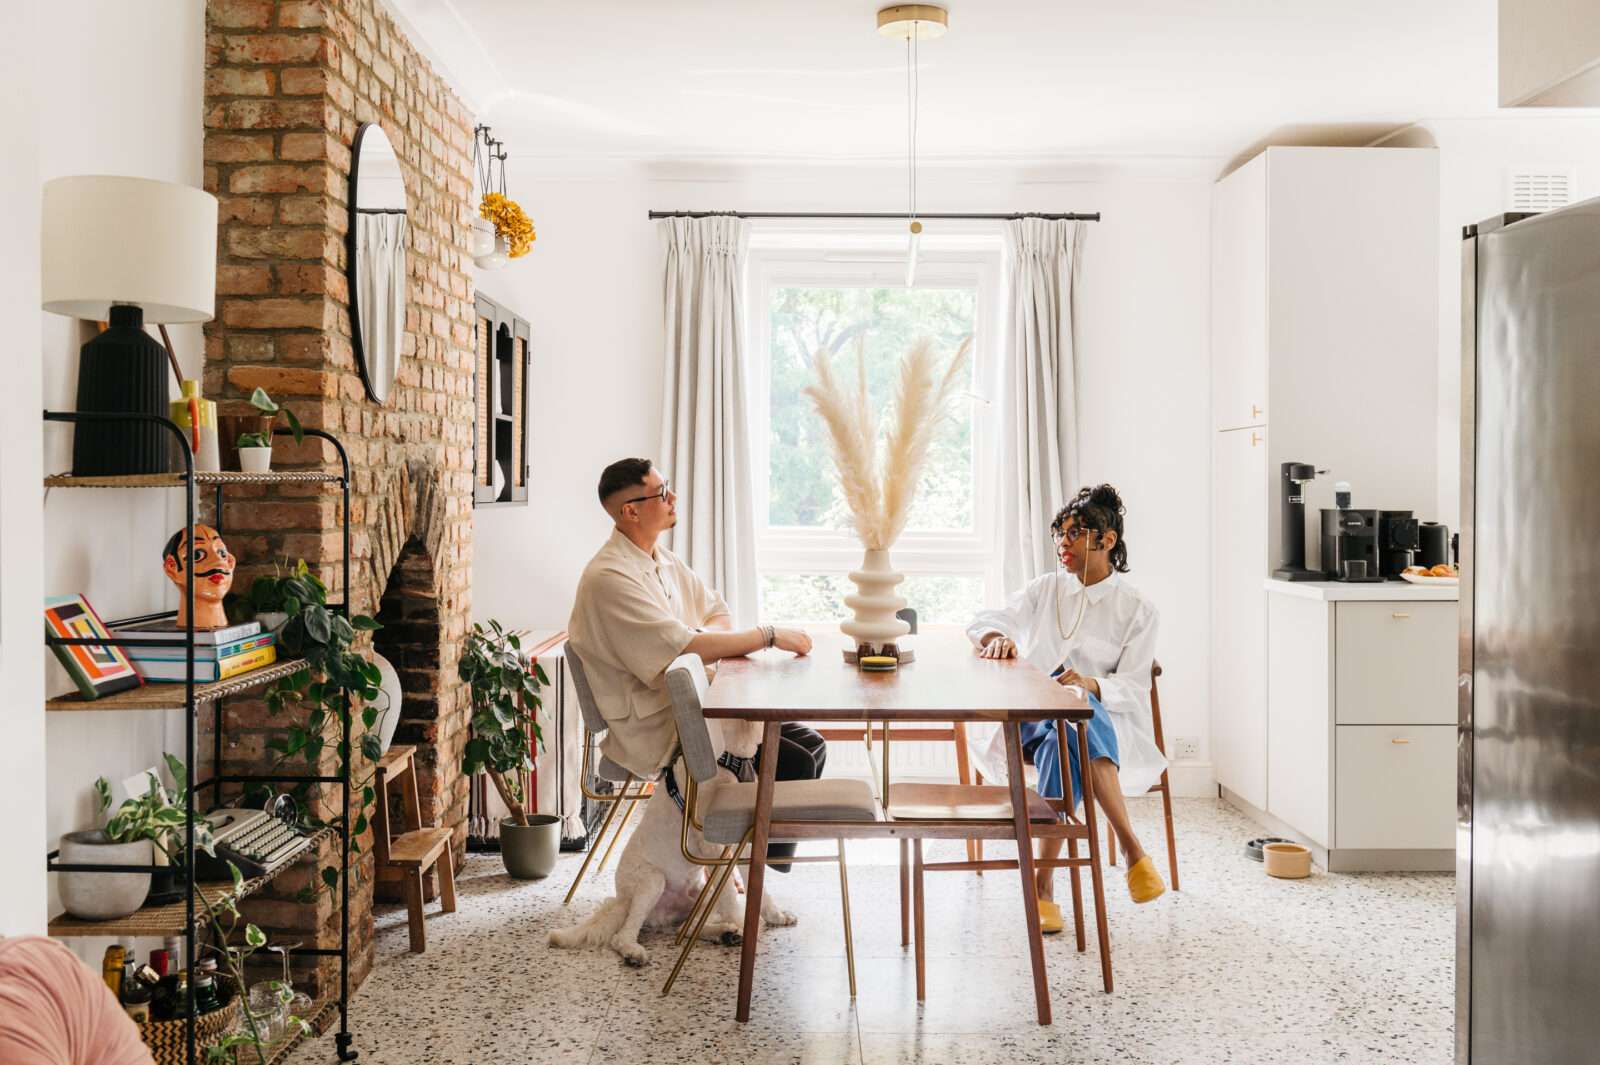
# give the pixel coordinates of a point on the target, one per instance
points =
(632, 616)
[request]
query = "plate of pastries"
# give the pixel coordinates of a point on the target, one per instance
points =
(1443, 573)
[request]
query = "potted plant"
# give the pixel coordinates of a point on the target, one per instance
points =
(272, 600)
(141, 827)
(505, 714)
(513, 231)
(255, 447)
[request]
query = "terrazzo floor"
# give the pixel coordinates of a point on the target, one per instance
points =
(1236, 968)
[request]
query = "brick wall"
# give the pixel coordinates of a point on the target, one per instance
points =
(287, 85)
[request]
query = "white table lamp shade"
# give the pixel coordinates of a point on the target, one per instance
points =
(110, 240)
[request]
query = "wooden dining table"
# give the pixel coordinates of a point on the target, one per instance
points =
(946, 682)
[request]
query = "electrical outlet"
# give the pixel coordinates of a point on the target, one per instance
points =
(1185, 748)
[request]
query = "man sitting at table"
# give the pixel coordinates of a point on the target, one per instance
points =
(637, 608)
(1087, 627)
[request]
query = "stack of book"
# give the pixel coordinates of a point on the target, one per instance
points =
(218, 653)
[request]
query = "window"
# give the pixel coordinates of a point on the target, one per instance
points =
(831, 293)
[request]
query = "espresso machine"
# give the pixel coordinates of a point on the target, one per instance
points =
(1349, 540)
(1398, 542)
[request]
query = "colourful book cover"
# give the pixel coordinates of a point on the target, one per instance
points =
(203, 654)
(96, 669)
(207, 670)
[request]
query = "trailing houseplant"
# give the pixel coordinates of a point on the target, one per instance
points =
(271, 600)
(337, 693)
(505, 725)
(255, 447)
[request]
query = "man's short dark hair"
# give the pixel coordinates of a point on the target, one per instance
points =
(624, 473)
(171, 550)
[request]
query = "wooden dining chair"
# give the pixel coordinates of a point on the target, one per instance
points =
(989, 805)
(1163, 786)
(595, 726)
(724, 812)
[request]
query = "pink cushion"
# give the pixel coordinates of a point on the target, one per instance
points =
(55, 1010)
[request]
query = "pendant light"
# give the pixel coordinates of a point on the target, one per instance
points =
(912, 23)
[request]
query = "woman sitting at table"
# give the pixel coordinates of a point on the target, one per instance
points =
(1087, 627)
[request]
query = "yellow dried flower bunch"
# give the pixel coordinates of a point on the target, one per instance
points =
(509, 222)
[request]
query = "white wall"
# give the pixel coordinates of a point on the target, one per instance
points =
(591, 289)
(1549, 53)
(1476, 160)
(22, 728)
(102, 107)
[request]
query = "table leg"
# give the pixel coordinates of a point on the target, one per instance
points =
(766, 784)
(1030, 900)
(1095, 879)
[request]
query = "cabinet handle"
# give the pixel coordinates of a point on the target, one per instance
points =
(1400, 616)
(1254, 439)
(1255, 411)
(1400, 740)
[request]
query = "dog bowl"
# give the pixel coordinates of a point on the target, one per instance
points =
(1287, 861)
(1252, 850)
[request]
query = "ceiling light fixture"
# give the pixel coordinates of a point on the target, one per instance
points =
(912, 23)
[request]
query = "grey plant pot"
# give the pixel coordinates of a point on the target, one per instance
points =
(530, 850)
(272, 620)
(103, 896)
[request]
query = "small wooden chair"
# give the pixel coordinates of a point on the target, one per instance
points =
(417, 849)
(1162, 786)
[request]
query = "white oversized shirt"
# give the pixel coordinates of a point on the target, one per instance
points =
(632, 615)
(1115, 644)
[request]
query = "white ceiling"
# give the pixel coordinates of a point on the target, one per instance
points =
(1013, 79)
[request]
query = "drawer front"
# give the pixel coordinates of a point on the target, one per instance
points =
(1395, 663)
(1395, 787)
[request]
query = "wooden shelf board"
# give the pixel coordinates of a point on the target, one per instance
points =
(171, 696)
(176, 480)
(168, 920)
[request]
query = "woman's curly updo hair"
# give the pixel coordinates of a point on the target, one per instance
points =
(1099, 509)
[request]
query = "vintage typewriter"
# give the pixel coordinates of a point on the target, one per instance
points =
(254, 840)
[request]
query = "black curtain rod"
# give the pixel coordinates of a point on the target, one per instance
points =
(1070, 217)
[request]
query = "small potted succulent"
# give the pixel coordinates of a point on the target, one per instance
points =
(140, 830)
(505, 714)
(255, 447)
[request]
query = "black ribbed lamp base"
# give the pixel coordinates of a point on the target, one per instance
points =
(123, 370)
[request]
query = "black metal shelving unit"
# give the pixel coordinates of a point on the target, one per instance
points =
(180, 918)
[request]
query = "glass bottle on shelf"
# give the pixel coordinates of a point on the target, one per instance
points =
(206, 997)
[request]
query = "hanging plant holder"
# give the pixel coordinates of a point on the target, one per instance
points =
(502, 231)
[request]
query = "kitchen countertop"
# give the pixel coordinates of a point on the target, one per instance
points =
(1387, 591)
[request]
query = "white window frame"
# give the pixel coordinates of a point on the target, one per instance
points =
(876, 258)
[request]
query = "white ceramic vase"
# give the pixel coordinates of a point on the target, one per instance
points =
(482, 237)
(875, 602)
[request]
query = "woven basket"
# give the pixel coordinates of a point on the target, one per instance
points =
(168, 1042)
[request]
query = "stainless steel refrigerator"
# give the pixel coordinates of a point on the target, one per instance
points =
(1528, 845)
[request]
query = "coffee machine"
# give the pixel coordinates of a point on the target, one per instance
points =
(1398, 542)
(1349, 540)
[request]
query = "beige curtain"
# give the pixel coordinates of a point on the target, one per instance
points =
(1038, 393)
(705, 447)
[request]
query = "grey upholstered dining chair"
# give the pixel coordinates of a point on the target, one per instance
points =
(728, 809)
(594, 726)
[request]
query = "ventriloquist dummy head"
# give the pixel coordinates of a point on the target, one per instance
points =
(213, 568)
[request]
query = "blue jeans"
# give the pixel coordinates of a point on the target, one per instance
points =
(1042, 746)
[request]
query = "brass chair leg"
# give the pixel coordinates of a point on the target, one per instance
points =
(694, 936)
(616, 836)
(595, 846)
(849, 939)
(700, 899)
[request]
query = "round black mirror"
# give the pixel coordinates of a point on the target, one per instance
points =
(379, 235)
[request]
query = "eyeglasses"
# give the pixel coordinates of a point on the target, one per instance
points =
(665, 490)
(1067, 536)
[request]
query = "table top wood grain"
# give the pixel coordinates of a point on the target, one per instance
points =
(947, 682)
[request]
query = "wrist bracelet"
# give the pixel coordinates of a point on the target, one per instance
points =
(770, 634)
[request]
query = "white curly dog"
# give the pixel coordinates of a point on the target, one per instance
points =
(656, 886)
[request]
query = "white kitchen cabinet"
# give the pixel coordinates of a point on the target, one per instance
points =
(1238, 629)
(1239, 299)
(1379, 794)
(1324, 350)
